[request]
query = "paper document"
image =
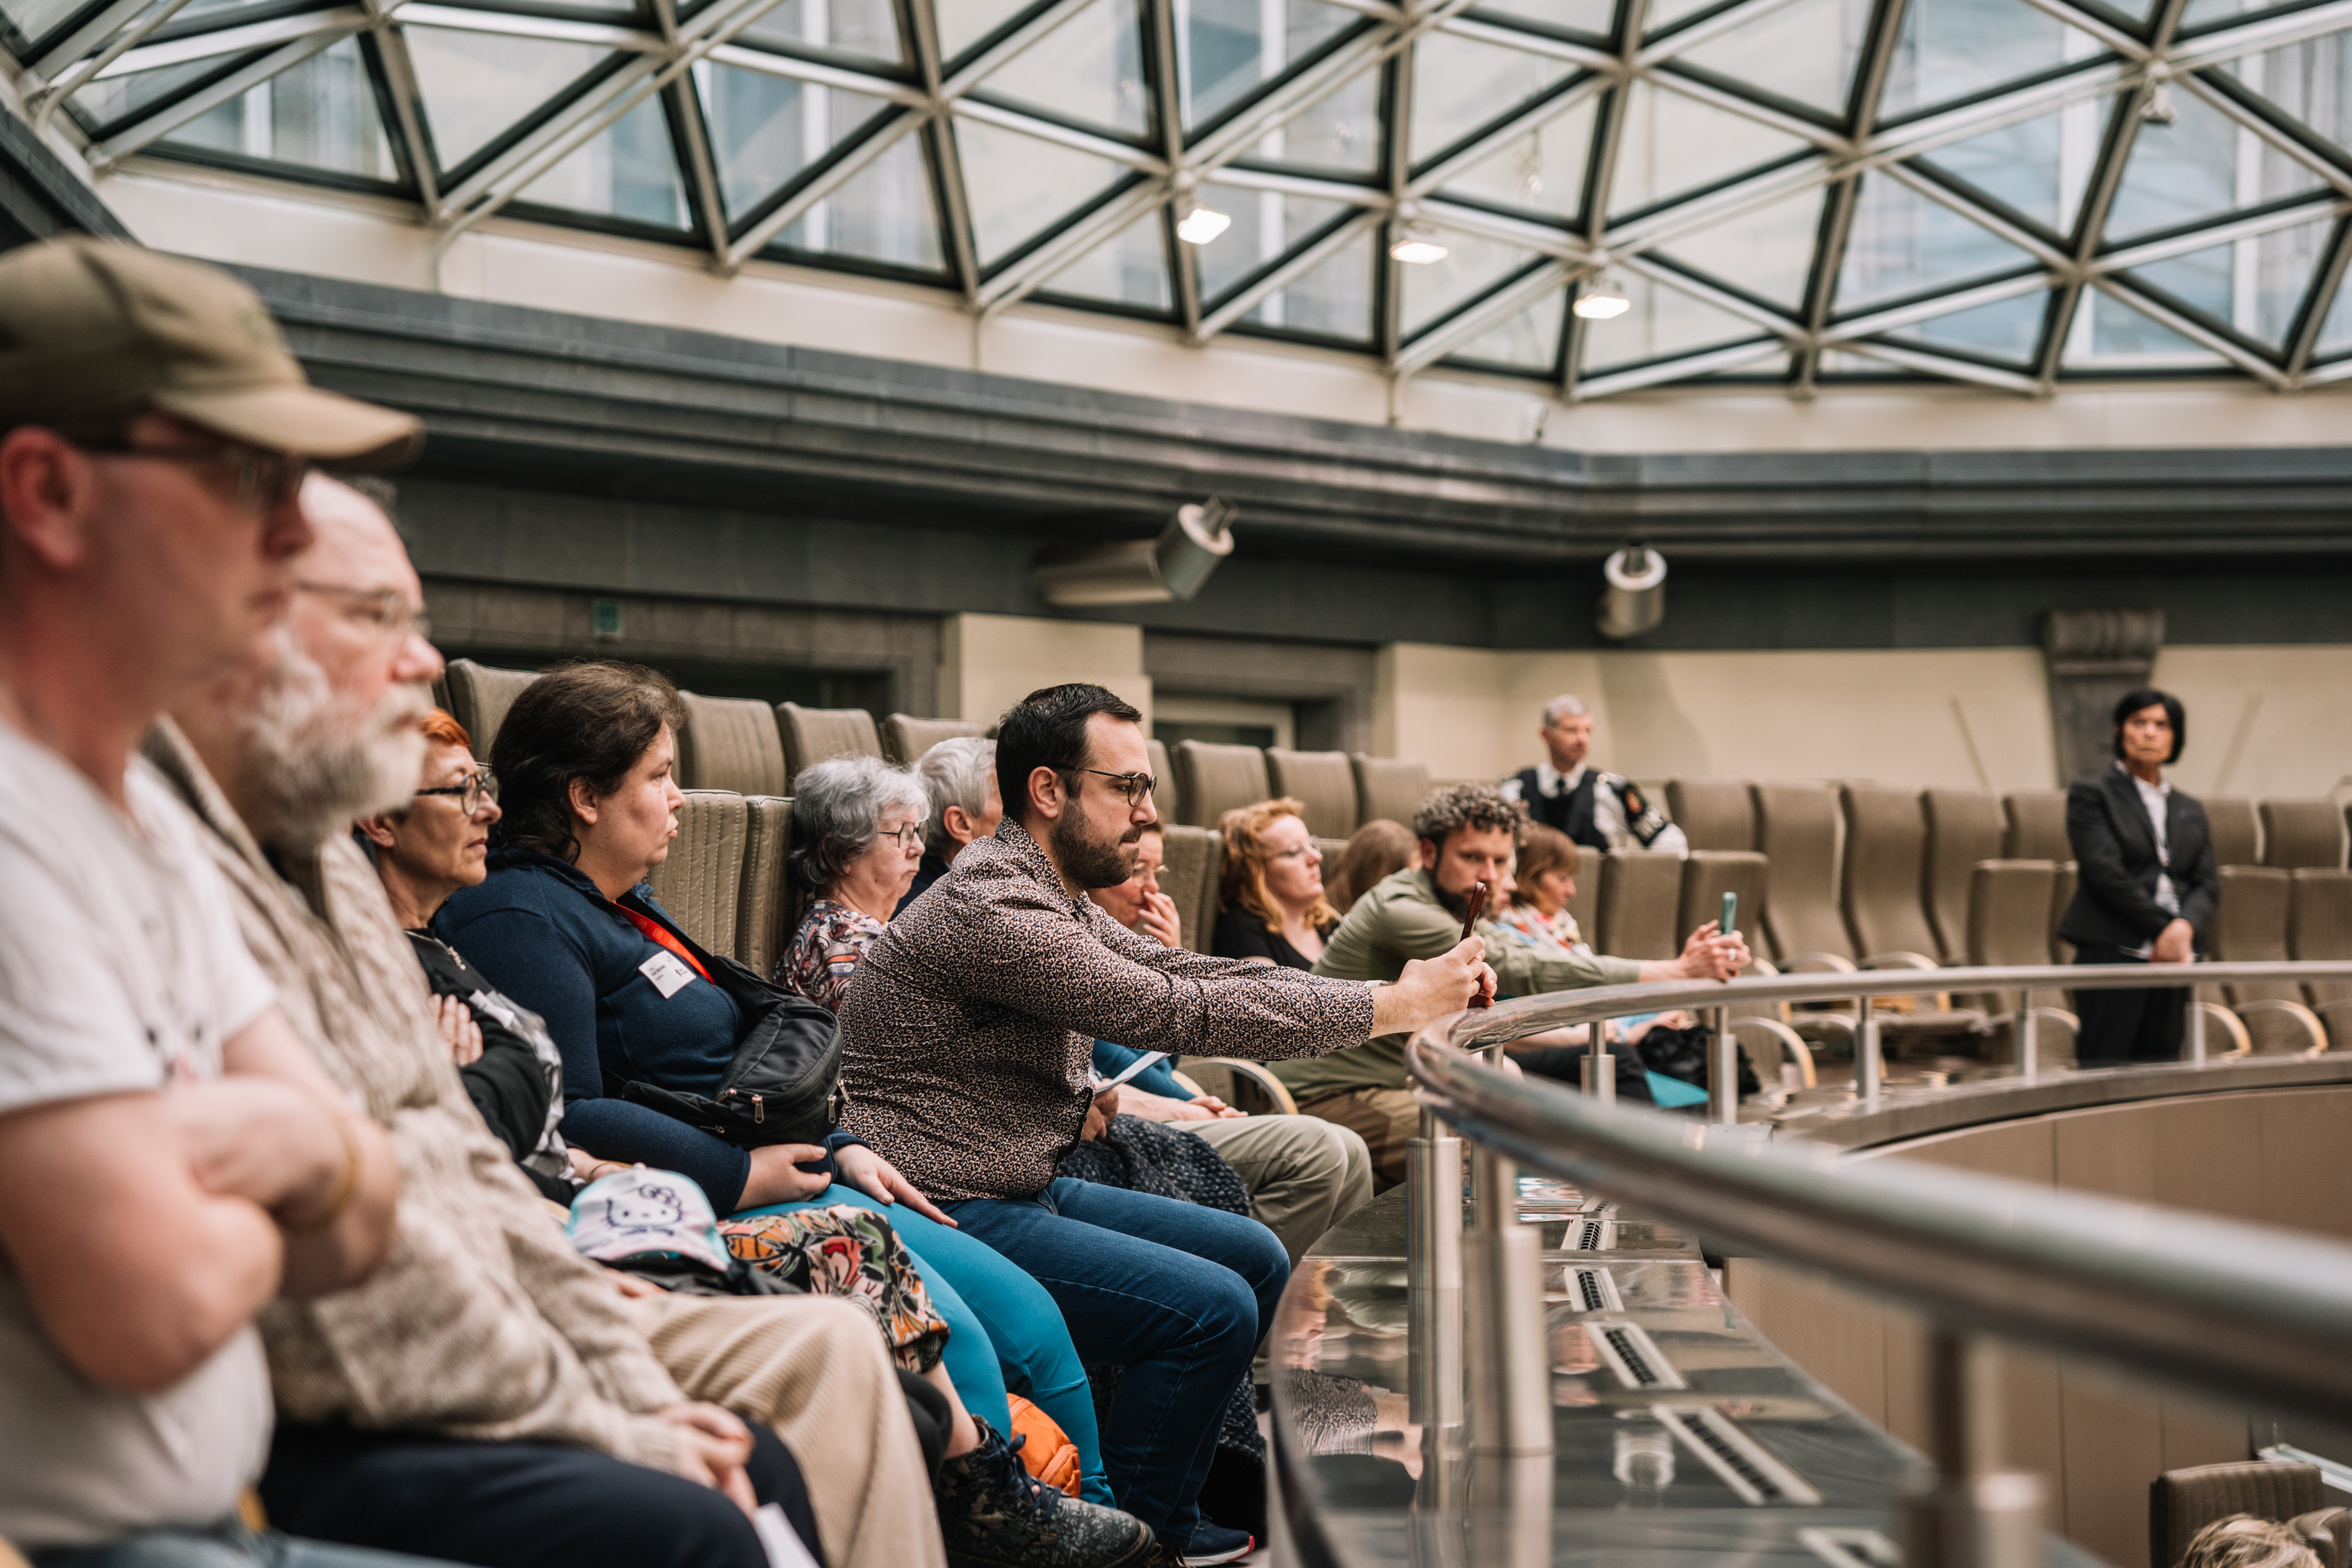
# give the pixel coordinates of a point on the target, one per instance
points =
(1146, 1059)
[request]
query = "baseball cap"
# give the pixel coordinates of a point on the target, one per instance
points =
(94, 329)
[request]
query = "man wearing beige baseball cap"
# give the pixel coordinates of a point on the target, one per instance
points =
(172, 1158)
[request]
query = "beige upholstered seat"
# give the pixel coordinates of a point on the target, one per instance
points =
(1710, 874)
(1714, 814)
(1243, 1085)
(2061, 893)
(2229, 819)
(480, 697)
(1796, 827)
(1584, 904)
(2009, 924)
(905, 738)
(1885, 850)
(1963, 828)
(2303, 833)
(2249, 926)
(2036, 826)
(1641, 892)
(1188, 875)
(730, 744)
(701, 882)
(2319, 926)
(764, 918)
(1165, 798)
(813, 734)
(2182, 1502)
(1320, 780)
(1215, 779)
(1387, 788)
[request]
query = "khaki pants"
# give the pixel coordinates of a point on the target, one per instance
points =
(818, 1372)
(1388, 1120)
(1303, 1174)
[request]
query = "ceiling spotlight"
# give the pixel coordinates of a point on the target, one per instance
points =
(1603, 299)
(1418, 245)
(1202, 225)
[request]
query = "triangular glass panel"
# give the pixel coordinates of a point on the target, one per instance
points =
(1665, 14)
(26, 21)
(627, 170)
(112, 100)
(476, 85)
(1266, 227)
(1130, 268)
(1462, 84)
(1660, 322)
(2306, 81)
(1766, 251)
(1089, 68)
(2200, 13)
(1951, 50)
(1537, 170)
(1804, 52)
(320, 114)
(1339, 132)
(2254, 285)
(2185, 172)
(1019, 186)
(211, 16)
(1472, 264)
(1527, 341)
(765, 129)
(1903, 244)
(883, 214)
(1594, 18)
(2335, 328)
(1234, 49)
(2037, 168)
(1674, 145)
(857, 29)
(1333, 299)
(964, 23)
(2006, 330)
(2119, 333)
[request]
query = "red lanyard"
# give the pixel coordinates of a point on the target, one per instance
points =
(660, 933)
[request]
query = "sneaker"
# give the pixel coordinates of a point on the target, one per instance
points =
(995, 1514)
(1214, 1543)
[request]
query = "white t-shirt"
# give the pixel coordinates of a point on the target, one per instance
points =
(120, 967)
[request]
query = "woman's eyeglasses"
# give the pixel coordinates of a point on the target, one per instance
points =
(1300, 853)
(909, 837)
(471, 793)
(1137, 787)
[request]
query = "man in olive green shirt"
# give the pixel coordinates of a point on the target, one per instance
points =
(1469, 834)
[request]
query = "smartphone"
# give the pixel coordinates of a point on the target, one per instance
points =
(1730, 914)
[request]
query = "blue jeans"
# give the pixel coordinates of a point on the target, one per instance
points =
(1172, 1292)
(224, 1545)
(1002, 1328)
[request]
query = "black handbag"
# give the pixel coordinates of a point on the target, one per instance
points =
(784, 1084)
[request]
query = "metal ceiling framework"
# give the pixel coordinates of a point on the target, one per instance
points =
(1668, 95)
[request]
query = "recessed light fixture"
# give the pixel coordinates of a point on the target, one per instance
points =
(1417, 245)
(1603, 299)
(1202, 225)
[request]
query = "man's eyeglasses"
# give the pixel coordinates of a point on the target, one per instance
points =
(1137, 787)
(471, 793)
(909, 837)
(385, 609)
(264, 480)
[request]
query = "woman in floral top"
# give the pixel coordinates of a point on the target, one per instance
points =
(858, 840)
(1547, 880)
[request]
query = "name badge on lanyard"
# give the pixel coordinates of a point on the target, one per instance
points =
(669, 975)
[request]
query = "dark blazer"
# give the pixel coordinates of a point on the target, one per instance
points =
(2115, 851)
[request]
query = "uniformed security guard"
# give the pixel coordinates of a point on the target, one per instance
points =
(1602, 811)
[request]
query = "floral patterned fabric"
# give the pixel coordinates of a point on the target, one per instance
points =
(1529, 924)
(854, 1254)
(825, 951)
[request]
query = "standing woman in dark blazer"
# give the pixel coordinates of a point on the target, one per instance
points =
(2147, 883)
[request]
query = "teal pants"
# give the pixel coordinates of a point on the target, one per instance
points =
(1003, 1329)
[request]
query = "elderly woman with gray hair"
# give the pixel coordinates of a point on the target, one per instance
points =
(857, 837)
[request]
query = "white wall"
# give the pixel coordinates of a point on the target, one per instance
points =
(987, 663)
(2273, 721)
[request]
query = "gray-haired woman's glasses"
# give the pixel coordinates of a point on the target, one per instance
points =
(910, 837)
(470, 794)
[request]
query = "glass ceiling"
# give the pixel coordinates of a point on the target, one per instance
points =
(1600, 195)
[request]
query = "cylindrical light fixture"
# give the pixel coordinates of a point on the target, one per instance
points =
(1635, 599)
(1172, 567)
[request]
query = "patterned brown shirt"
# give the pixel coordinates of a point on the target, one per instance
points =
(969, 1030)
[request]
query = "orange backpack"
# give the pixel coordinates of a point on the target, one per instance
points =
(1049, 1454)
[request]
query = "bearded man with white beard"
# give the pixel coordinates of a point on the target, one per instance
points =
(489, 1390)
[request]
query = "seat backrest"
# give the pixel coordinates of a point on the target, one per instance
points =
(813, 734)
(480, 697)
(1885, 858)
(730, 744)
(764, 905)
(2230, 820)
(1215, 779)
(905, 738)
(2319, 926)
(2249, 926)
(1584, 904)
(2298, 833)
(1796, 827)
(1387, 787)
(2182, 1502)
(1641, 895)
(2061, 893)
(1710, 874)
(1322, 782)
(2008, 922)
(1714, 814)
(1167, 796)
(1188, 875)
(701, 882)
(1963, 828)
(2036, 826)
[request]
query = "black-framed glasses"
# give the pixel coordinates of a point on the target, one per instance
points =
(385, 609)
(1137, 787)
(265, 480)
(470, 794)
(907, 835)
